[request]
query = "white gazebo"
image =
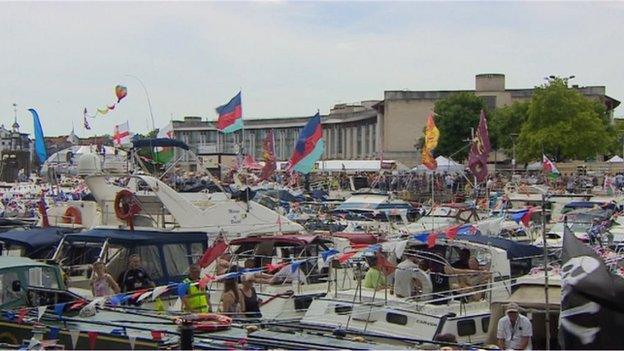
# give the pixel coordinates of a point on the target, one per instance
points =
(445, 165)
(616, 159)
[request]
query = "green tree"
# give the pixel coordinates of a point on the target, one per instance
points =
(455, 116)
(564, 124)
(506, 123)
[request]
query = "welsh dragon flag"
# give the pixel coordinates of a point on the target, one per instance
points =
(164, 155)
(549, 167)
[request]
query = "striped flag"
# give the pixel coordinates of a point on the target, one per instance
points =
(230, 115)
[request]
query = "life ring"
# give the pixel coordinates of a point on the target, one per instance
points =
(206, 322)
(126, 205)
(72, 215)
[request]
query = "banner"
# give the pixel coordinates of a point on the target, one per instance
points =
(432, 134)
(480, 150)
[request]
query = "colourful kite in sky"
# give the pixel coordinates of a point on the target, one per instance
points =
(120, 92)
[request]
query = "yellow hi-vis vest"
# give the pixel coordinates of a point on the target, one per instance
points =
(196, 298)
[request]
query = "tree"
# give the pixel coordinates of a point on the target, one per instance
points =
(455, 116)
(564, 124)
(506, 123)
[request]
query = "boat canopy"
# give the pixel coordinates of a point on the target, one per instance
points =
(280, 240)
(159, 142)
(515, 250)
(35, 240)
(129, 238)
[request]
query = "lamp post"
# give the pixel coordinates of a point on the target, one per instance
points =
(149, 103)
(513, 137)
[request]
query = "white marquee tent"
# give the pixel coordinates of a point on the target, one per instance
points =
(445, 165)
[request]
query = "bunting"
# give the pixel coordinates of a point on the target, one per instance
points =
(120, 92)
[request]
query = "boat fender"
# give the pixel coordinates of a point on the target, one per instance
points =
(126, 206)
(72, 215)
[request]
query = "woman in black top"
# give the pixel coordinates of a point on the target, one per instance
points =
(251, 302)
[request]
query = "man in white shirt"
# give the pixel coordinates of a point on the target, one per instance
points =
(406, 272)
(514, 330)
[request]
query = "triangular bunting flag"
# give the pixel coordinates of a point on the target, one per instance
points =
(177, 305)
(92, 339)
(132, 340)
(157, 335)
(431, 240)
(54, 332)
(346, 256)
(203, 282)
(21, 314)
(144, 296)
(74, 335)
(159, 290)
(41, 311)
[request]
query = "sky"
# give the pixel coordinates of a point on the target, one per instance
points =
(288, 58)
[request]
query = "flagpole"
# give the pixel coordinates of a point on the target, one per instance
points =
(546, 300)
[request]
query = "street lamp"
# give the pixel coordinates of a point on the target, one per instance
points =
(513, 137)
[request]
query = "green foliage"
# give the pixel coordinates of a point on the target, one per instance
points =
(505, 124)
(455, 116)
(565, 124)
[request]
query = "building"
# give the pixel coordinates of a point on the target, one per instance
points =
(370, 129)
(16, 150)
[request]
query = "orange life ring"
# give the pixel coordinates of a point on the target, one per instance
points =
(207, 322)
(72, 215)
(126, 205)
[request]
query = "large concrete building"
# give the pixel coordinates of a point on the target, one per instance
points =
(365, 130)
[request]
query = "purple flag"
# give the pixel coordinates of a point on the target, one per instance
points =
(479, 151)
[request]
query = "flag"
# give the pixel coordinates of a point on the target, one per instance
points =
(249, 162)
(480, 150)
(84, 119)
(431, 239)
(432, 134)
(309, 147)
(40, 147)
(230, 115)
(164, 154)
(268, 156)
(548, 166)
(592, 308)
(385, 266)
(217, 249)
(121, 134)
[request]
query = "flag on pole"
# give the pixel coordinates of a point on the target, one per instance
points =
(480, 150)
(309, 148)
(268, 156)
(592, 308)
(548, 166)
(164, 154)
(230, 115)
(40, 147)
(432, 134)
(121, 134)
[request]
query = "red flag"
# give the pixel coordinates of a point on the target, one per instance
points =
(92, 339)
(21, 314)
(451, 232)
(384, 265)
(205, 280)
(250, 163)
(157, 335)
(431, 240)
(268, 156)
(346, 256)
(272, 267)
(76, 305)
(526, 218)
(480, 150)
(217, 249)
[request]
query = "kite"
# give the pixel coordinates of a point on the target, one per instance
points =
(120, 92)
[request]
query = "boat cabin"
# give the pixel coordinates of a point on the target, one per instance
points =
(35, 243)
(166, 256)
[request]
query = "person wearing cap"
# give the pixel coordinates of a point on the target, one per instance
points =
(514, 330)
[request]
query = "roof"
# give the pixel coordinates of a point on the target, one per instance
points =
(278, 239)
(126, 237)
(159, 142)
(515, 250)
(15, 261)
(35, 239)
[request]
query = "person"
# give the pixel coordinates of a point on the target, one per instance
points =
(410, 279)
(102, 283)
(595, 233)
(135, 277)
(250, 301)
(374, 279)
(196, 301)
(514, 330)
(231, 300)
(462, 262)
